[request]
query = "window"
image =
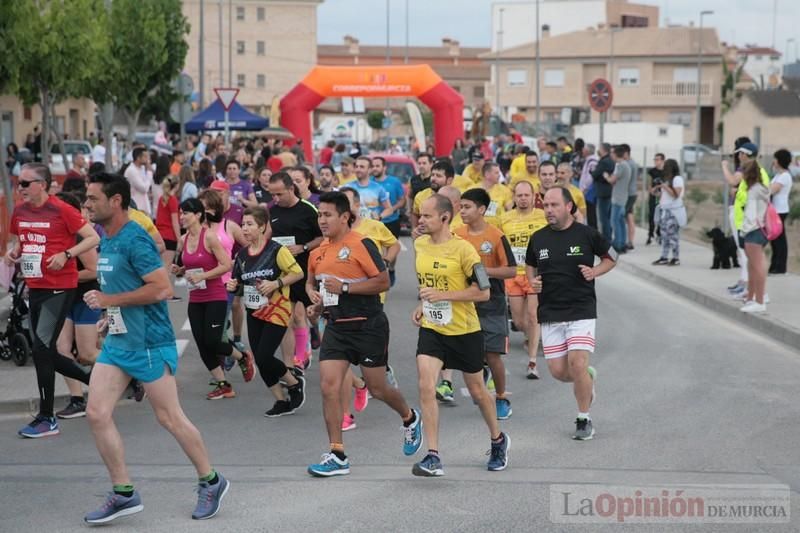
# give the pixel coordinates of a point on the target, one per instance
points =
(456, 88)
(630, 116)
(628, 77)
(7, 125)
(633, 21)
(759, 58)
(27, 113)
(260, 48)
(240, 79)
(477, 92)
(517, 78)
(554, 78)
(260, 14)
(685, 74)
(239, 12)
(240, 47)
(261, 81)
(684, 118)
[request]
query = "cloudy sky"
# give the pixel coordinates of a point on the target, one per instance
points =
(738, 21)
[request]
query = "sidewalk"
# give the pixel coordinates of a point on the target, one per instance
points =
(694, 280)
(19, 391)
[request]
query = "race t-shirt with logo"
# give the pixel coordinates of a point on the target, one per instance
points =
(518, 228)
(448, 266)
(494, 251)
(500, 195)
(353, 259)
(577, 196)
(296, 225)
(124, 260)
(272, 262)
(239, 190)
(394, 187)
(372, 197)
(44, 232)
(378, 233)
(557, 255)
(533, 179)
(423, 195)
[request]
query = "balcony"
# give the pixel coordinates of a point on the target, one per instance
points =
(679, 89)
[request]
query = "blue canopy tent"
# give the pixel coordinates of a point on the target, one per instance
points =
(212, 118)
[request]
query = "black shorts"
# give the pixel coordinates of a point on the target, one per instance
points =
(394, 227)
(629, 205)
(458, 352)
(361, 342)
(297, 292)
(170, 245)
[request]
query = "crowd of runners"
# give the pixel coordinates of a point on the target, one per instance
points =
(307, 268)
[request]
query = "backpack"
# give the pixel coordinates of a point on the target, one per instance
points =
(773, 226)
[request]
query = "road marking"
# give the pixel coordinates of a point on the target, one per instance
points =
(181, 345)
(186, 326)
(403, 247)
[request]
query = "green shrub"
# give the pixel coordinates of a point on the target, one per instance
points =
(697, 195)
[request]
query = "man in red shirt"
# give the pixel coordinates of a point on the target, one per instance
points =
(326, 154)
(43, 235)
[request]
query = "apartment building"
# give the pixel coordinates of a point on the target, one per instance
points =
(263, 47)
(653, 71)
(74, 117)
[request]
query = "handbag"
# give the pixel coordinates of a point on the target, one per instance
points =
(773, 225)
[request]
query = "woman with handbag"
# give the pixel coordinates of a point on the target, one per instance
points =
(755, 211)
(671, 213)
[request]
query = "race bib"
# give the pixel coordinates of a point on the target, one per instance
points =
(31, 265)
(252, 298)
(285, 241)
(116, 325)
(519, 254)
(439, 313)
(328, 298)
(196, 286)
(365, 213)
(491, 211)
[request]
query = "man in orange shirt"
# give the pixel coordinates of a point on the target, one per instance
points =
(178, 159)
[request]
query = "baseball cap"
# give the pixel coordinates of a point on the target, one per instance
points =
(747, 149)
(477, 155)
(219, 185)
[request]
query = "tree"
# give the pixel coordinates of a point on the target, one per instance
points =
(375, 120)
(147, 51)
(8, 81)
(57, 54)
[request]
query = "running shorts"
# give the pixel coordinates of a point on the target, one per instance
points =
(558, 338)
(495, 331)
(362, 342)
(458, 352)
(81, 314)
(518, 286)
(145, 365)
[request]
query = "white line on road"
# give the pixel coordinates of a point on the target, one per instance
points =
(186, 326)
(403, 247)
(181, 345)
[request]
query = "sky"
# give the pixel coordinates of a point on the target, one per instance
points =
(468, 21)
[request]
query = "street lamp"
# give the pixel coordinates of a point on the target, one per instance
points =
(789, 41)
(699, 70)
(497, 64)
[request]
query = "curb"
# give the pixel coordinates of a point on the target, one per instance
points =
(26, 405)
(766, 325)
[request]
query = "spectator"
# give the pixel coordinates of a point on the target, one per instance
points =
(656, 174)
(459, 156)
(338, 155)
(178, 159)
(755, 211)
(780, 189)
(12, 150)
(187, 188)
(672, 213)
(167, 218)
(205, 173)
(326, 154)
(620, 181)
(140, 177)
(603, 189)
(577, 161)
(586, 183)
(99, 150)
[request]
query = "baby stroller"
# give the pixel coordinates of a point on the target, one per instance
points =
(15, 340)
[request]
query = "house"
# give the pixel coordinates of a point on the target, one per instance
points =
(762, 64)
(653, 73)
(770, 118)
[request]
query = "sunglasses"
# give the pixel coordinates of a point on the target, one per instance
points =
(25, 184)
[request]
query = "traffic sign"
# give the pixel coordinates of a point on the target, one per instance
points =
(183, 85)
(600, 95)
(226, 96)
(175, 111)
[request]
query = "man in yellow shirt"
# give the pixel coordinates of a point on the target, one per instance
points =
(563, 176)
(519, 225)
(454, 195)
(474, 171)
(347, 174)
(531, 173)
(518, 163)
(451, 279)
(500, 195)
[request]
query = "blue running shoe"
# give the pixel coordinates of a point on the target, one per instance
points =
(41, 426)
(115, 506)
(209, 498)
(412, 435)
(228, 363)
(498, 455)
(329, 465)
(503, 408)
(430, 466)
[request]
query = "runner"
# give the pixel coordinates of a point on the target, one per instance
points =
(518, 225)
(304, 181)
(140, 344)
(394, 187)
(451, 277)
(498, 260)
(442, 174)
(265, 270)
(389, 247)
(501, 196)
(419, 182)
(530, 174)
(204, 262)
(294, 225)
(375, 202)
(345, 276)
(560, 265)
(563, 179)
(42, 237)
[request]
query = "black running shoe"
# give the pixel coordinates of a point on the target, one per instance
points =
(281, 407)
(297, 395)
(75, 409)
(315, 340)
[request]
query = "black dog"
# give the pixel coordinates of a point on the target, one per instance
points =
(724, 250)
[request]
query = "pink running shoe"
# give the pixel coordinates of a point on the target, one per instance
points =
(348, 422)
(361, 399)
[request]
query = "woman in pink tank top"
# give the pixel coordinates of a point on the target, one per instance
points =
(204, 261)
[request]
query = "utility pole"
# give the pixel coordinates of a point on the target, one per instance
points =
(201, 57)
(406, 58)
(230, 43)
(221, 69)
(108, 124)
(497, 66)
(698, 111)
(538, 71)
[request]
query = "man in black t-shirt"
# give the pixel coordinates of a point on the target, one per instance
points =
(656, 174)
(560, 267)
(294, 224)
(418, 183)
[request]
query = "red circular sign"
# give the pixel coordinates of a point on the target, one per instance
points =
(600, 95)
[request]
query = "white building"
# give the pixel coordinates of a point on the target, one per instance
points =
(763, 64)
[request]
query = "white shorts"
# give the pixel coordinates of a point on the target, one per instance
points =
(558, 338)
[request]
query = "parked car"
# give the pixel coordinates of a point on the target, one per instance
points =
(58, 166)
(691, 152)
(403, 168)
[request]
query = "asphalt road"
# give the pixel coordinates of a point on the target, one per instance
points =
(683, 398)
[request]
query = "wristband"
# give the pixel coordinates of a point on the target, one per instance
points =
(280, 283)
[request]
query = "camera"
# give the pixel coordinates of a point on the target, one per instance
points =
(657, 182)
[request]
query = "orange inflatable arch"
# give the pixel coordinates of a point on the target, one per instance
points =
(420, 81)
